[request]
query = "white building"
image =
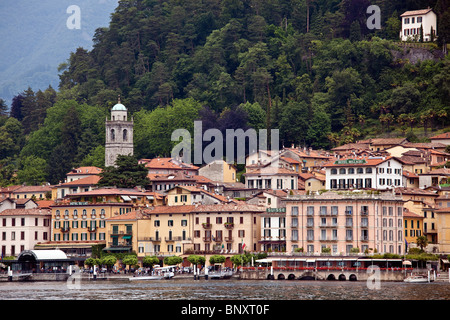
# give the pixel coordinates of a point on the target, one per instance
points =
(271, 178)
(412, 21)
(21, 229)
(380, 173)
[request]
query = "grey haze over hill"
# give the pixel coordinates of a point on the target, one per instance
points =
(35, 40)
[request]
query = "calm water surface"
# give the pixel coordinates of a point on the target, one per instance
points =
(187, 289)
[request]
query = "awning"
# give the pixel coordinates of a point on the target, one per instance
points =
(126, 198)
(150, 198)
(445, 261)
(407, 262)
(126, 237)
(310, 260)
(117, 249)
(133, 197)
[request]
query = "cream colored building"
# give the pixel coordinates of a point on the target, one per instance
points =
(22, 229)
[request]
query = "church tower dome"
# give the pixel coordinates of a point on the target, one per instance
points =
(119, 134)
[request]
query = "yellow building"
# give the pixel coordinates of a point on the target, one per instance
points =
(32, 192)
(187, 229)
(422, 203)
(79, 221)
(123, 232)
(190, 195)
(166, 232)
(413, 225)
(443, 221)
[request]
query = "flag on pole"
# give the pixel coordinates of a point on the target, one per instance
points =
(243, 244)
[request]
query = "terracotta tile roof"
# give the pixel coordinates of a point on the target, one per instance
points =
(234, 207)
(410, 175)
(416, 12)
(445, 135)
(415, 191)
(384, 141)
(352, 146)
(422, 145)
(440, 171)
(270, 171)
(169, 209)
(45, 203)
(110, 191)
(85, 170)
(87, 181)
(23, 201)
(168, 163)
(290, 160)
(26, 212)
(132, 215)
(28, 189)
(370, 162)
(409, 214)
(9, 189)
(308, 153)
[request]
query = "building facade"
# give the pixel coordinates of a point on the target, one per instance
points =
(22, 229)
(380, 173)
(341, 222)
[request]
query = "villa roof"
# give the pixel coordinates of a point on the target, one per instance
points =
(416, 12)
(86, 181)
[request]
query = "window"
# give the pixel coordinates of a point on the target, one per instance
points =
(333, 171)
(419, 19)
(342, 171)
(113, 135)
(310, 211)
(170, 223)
(184, 223)
(294, 211)
(125, 135)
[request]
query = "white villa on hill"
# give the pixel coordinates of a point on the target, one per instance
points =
(413, 20)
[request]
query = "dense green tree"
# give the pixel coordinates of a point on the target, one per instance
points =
(127, 173)
(33, 171)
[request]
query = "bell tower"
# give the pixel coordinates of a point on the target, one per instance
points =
(119, 134)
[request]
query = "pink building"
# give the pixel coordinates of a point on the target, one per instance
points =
(342, 221)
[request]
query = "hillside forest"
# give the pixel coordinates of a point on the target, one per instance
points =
(310, 68)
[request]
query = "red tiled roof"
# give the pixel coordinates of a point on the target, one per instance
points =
(25, 212)
(409, 214)
(27, 189)
(168, 163)
(91, 180)
(416, 12)
(370, 162)
(85, 170)
(445, 135)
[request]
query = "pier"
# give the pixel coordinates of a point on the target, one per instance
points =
(329, 268)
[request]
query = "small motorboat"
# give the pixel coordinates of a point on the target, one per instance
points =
(160, 273)
(417, 279)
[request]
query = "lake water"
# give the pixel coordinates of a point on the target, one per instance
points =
(189, 289)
